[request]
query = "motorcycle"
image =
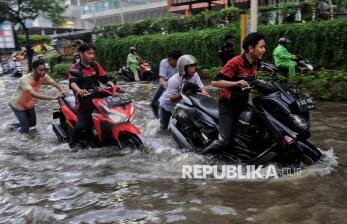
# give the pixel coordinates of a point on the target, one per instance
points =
(5, 66)
(302, 63)
(112, 117)
(146, 73)
(17, 70)
(275, 129)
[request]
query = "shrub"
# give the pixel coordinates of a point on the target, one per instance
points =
(61, 71)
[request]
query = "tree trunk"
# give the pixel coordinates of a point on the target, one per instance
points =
(28, 48)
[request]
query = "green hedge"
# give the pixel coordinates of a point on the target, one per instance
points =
(170, 24)
(323, 84)
(34, 39)
(51, 59)
(323, 43)
(203, 44)
(209, 19)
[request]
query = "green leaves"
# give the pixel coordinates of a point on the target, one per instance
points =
(17, 11)
(171, 24)
(323, 84)
(323, 43)
(61, 71)
(34, 39)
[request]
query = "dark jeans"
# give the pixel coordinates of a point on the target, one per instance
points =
(154, 104)
(229, 113)
(228, 116)
(83, 127)
(26, 118)
(164, 116)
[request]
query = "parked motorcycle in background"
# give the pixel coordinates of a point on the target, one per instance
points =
(16, 68)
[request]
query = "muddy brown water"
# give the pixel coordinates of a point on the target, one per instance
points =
(41, 181)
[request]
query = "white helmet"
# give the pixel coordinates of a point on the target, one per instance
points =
(184, 61)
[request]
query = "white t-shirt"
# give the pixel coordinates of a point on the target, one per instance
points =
(175, 85)
(165, 70)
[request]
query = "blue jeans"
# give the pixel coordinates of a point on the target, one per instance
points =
(158, 94)
(164, 116)
(26, 118)
(154, 104)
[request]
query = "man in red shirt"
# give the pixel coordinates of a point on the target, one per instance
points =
(232, 80)
(94, 74)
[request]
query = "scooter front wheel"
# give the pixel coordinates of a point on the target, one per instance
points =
(127, 139)
(309, 153)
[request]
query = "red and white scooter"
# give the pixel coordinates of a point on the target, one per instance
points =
(112, 117)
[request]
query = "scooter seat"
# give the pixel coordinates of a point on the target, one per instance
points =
(206, 104)
(70, 102)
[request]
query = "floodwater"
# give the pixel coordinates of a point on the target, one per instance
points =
(41, 181)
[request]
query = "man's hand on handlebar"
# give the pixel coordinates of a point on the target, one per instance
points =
(82, 92)
(64, 93)
(59, 95)
(111, 84)
(243, 84)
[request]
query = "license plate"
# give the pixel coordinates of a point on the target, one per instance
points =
(305, 104)
(117, 100)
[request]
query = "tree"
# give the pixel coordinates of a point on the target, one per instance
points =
(18, 11)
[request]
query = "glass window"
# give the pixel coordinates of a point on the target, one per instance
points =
(107, 5)
(85, 9)
(92, 8)
(99, 6)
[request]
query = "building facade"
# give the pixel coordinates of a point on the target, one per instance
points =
(45, 26)
(105, 12)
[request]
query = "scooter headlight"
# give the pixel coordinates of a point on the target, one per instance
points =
(115, 116)
(182, 113)
(300, 122)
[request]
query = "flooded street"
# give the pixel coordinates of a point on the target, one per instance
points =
(41, 181)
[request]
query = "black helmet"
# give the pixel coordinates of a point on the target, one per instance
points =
(132, 49)
(284, 40)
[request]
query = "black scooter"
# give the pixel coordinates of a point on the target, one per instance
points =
(274, 129)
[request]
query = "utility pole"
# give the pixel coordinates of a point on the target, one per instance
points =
(254, 15)
(121, 12)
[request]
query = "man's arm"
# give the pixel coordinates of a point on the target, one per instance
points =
(173, 87)
(76, 88)
(53, 83)
(162, 73)
(283, 53)
(201, 85)
(175, 97)
(224, 81)
(43, 97)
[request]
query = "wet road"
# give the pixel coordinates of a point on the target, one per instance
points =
(41, 181)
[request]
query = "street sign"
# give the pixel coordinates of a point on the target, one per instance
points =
(6, 36)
